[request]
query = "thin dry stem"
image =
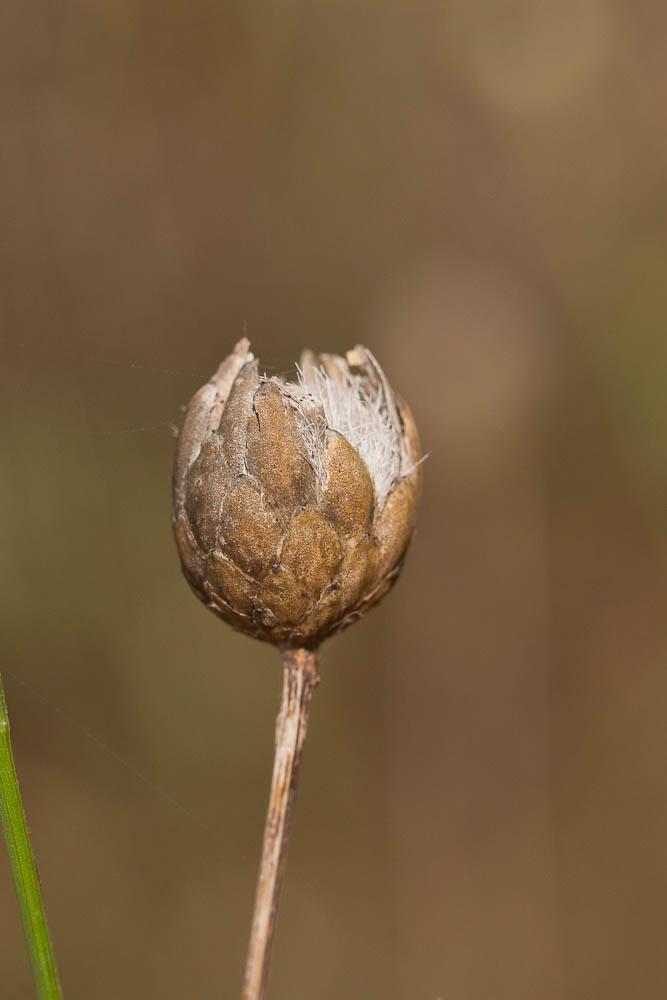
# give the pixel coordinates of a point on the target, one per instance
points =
(299, 681)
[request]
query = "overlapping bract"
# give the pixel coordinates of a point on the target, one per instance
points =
(280, 525)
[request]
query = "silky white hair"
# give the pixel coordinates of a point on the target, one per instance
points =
(356, 409)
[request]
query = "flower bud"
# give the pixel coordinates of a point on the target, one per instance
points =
(294, 502)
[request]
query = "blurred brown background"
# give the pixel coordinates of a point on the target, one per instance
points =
(477, 190)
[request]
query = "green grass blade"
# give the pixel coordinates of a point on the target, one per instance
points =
(24, 870)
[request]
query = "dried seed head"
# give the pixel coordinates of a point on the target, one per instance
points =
(294, 502)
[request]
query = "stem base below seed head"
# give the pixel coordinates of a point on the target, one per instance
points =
(299, 681)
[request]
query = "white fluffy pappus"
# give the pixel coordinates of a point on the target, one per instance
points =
(355, 408)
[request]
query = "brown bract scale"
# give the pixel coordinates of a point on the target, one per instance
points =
(294, 503)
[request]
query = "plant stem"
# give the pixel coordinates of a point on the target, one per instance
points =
(24, 870)
(300, 679)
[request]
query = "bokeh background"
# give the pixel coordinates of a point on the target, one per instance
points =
(477, 190)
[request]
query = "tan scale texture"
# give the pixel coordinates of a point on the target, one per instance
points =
(281, 548)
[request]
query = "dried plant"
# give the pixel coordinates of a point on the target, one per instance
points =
(294, 505)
